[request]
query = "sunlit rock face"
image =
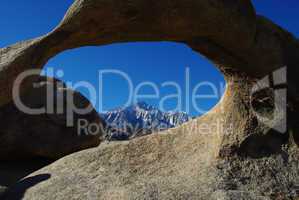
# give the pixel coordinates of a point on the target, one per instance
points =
(244, 158)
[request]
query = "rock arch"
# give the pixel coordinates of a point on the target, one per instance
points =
(246, 47)
(243, 45)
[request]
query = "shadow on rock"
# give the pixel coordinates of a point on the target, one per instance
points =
(260, 146)
(13, 171)
(17, 192)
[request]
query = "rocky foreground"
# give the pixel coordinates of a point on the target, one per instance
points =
(244, 158)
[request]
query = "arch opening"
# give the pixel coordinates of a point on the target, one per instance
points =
(149, 86)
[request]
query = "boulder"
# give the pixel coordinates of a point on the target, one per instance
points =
(52, 133)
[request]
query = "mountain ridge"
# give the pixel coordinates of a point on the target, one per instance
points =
(140, 119)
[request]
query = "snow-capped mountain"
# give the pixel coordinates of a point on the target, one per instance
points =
(140, 119)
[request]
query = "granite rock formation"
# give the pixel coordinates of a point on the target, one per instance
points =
(244, 159)
(46, 135)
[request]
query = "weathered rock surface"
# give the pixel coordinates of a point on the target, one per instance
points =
(180, 163)
(241, 159)
(47, 135)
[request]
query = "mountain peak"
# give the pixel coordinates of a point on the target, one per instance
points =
(140, 119)
(143, 105)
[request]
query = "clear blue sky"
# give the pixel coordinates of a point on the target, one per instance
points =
(154, 62)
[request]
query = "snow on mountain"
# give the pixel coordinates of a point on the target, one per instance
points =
(140, 119)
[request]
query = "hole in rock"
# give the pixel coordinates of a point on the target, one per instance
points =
(151, 86)
(264, 145)
(263, 102)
